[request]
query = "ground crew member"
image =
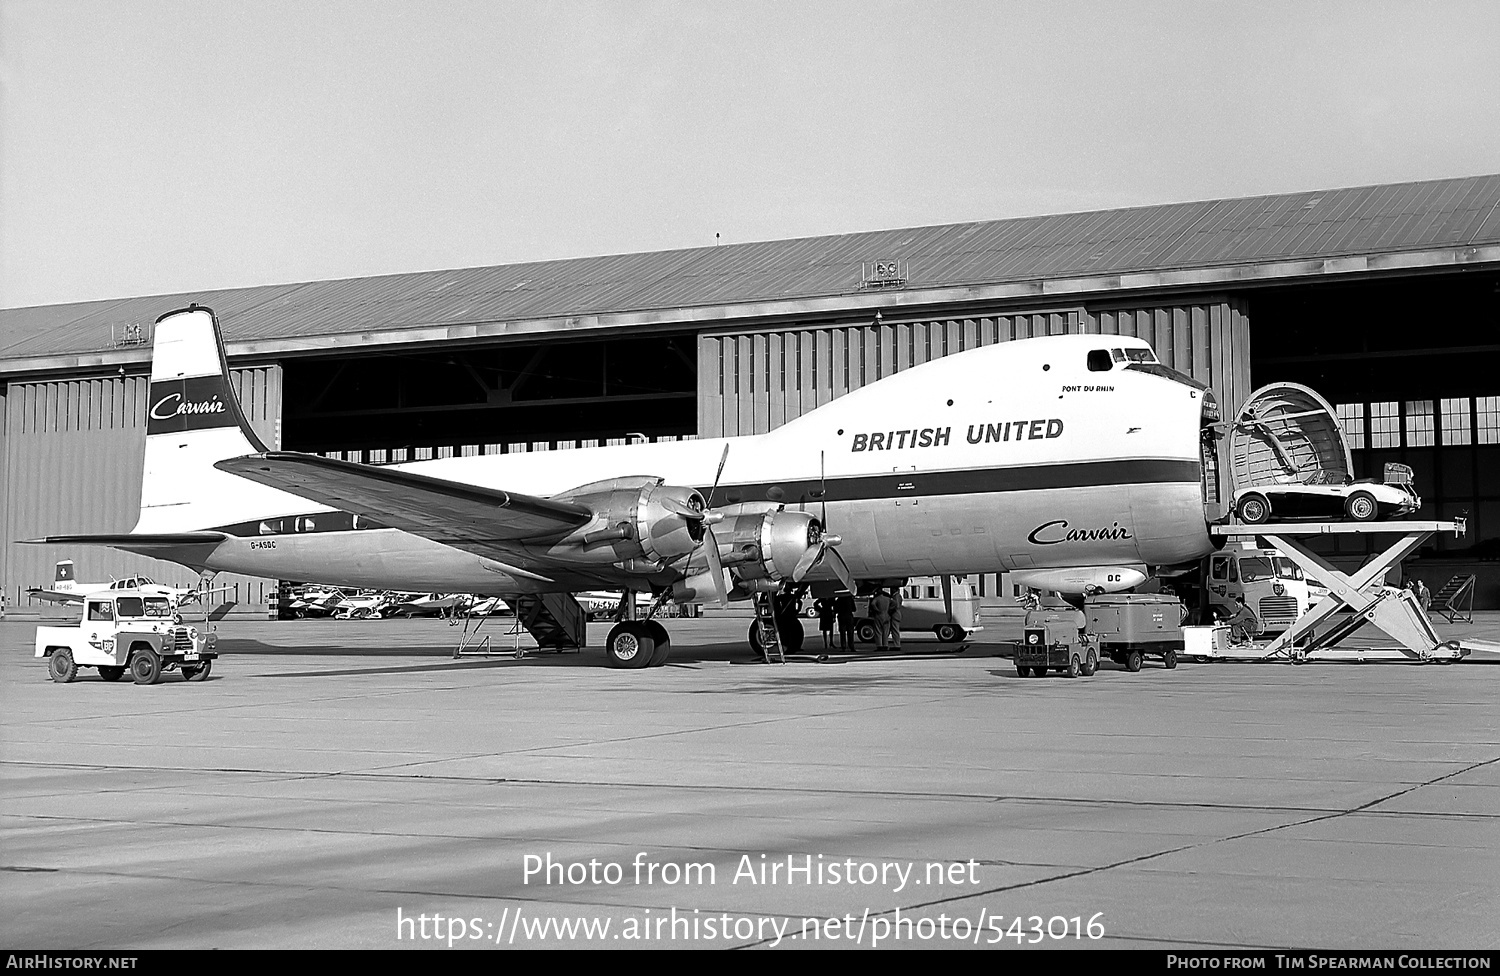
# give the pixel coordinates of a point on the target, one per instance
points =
(826, 613)
(880, 611)
(896, 617)
(1244, 625)
(844, 609)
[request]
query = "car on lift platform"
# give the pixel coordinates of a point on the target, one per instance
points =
(1360, 501)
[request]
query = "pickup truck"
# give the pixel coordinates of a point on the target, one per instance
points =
(127, 629)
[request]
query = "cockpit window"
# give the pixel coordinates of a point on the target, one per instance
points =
(1139, 355)
(1099, 361)
(1119, 355)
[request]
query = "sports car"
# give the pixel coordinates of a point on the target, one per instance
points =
(1364, 500)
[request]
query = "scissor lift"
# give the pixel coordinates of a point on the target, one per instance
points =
(1318, 631)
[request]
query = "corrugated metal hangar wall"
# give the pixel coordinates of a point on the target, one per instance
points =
(73, 456)
(750, 381)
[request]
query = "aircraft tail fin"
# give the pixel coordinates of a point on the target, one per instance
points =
(193, 421)
(64, 572)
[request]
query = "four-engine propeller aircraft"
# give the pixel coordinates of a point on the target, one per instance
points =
(1076, 452)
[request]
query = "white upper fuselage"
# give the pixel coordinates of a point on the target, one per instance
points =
(1011, 456)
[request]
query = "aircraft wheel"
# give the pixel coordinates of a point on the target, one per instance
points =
(111, 674)
(1361, 507)
(629, 646)
(1255, 509)
(1091, 664)
(1075, 665)
(145, 667)
(864, 631)
(949, 633)
(1133, 661)
(1169, 659)
(60, 665)
(663, 643)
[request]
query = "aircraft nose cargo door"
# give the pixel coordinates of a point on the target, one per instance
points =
(1286, 433)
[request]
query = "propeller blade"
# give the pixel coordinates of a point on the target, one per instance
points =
(709, 503)
(823, 486)
(679, 507)
(841, 570)
(711, 550)
(809, 558)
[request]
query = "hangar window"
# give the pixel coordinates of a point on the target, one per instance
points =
(1385, 425)
(1100, 361)
(1488, 414)
(1457, 428)
(1352, 419)
(1419, 426)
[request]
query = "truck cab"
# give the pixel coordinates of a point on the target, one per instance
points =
(127, 629)
(1271, 585)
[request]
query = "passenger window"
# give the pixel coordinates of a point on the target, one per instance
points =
(1099, 361)
(101, 611)
(272, 527)
(305, 525)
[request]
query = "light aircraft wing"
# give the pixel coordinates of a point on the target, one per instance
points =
(55, 596)
(484, 520)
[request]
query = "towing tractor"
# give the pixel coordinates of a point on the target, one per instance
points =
(127, 630)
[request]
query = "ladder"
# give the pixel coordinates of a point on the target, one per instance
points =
(1450, 600)
(556, 620)
(765, 628)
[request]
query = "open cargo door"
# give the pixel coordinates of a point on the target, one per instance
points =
(1286, 433)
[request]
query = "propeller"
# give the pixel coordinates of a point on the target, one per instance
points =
(826, 543)
(710, 542)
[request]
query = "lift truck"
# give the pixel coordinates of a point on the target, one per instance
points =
(1353, 600)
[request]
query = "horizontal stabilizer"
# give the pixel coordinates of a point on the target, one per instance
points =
(462, 515)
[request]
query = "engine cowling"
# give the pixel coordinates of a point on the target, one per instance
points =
(640, 522)
(768, 545)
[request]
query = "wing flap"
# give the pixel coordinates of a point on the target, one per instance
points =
(457, 514)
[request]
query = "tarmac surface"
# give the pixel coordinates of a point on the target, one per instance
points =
(349, 784)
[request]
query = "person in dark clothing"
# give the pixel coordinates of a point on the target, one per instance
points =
(880, 610)
(827, 612)
(844, 610)
(1244, 625)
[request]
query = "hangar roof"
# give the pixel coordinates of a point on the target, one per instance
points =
(1362, 229)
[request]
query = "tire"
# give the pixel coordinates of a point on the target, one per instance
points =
(111, 673)
(1039, 672)
(145, 667)
(629, 646)
(1132, 661)
(789, 629)
(1169, 659)
(663, 640)
(1023, 672)
(1075, 665)
(1255, 509)
(864, 631)
(949, 633)
(60, 665)
(1090, 664)
(1361, 507)
(198, 672)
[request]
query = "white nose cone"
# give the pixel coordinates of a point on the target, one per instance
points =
(1083, 579)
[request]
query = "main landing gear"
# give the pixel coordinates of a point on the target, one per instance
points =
(637, 644)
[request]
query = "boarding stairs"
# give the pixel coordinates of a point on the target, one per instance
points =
(765, 623)
(557, 621)
(1456, 599)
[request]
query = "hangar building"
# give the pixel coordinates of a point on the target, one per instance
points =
(1385, 299)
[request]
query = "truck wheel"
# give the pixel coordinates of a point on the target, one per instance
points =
(145, 667)
(1039, 672)
(1091, 664)
(1133, 661)
(1075, 665)
(60, 665)
(1169, 659)
(949, 633)
(1023, 672)
(111, 674)
(1361, 507)
(199, 672)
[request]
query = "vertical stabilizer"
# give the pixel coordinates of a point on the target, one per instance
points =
(193, 420)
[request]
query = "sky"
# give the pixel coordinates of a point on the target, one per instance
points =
(156, 146)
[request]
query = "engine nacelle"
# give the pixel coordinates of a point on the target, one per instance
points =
(767, 545)
(638, 521)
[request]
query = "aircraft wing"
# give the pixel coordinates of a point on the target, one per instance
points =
(470, 517)
(55, 596)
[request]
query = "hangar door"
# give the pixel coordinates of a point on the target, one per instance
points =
(73, 455)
